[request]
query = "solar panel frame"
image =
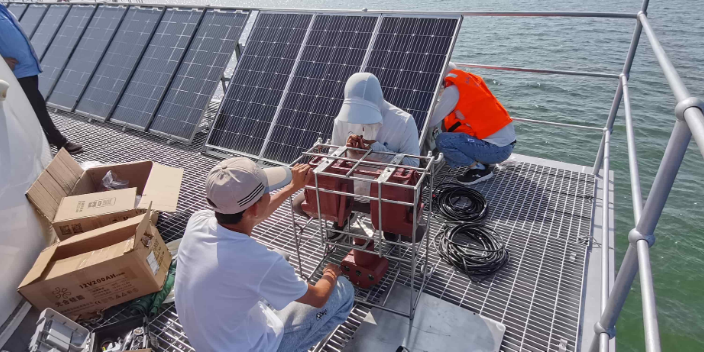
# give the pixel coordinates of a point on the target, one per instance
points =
(15, 12)
(48, 27)
(62, 46)
(261, 100)
(332, 53)
(402, 99)
(119, 62)
(88, 54)
(153, 72)
(181, 97)
(34, 16)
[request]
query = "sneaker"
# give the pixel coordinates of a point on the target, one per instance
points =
(474, 176)
(337, 236)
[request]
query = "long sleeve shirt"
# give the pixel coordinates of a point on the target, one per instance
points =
(398, 134)
(14, 44)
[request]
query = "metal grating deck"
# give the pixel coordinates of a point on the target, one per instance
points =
(543, 213)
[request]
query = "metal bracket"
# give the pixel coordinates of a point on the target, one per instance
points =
(691, 102)
(634, 236)
(389, 170)
(328, 161)
(600, 330)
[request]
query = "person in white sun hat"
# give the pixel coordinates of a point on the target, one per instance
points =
(367, 121)
(232, 293)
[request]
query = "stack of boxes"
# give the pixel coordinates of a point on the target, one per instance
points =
(108, 249)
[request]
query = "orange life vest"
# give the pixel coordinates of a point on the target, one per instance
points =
(478, 113)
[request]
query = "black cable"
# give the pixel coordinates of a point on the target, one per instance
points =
(447, 200)
(474, 249)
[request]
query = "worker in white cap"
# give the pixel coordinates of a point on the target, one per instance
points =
(232, 293)
(367, 121)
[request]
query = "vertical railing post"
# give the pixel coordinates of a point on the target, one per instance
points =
(650, 317)
(605, 239)
(636, 193)
(619, 92)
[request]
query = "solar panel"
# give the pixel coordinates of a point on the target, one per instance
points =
(47, 29)
(17, 9)
(408, 57)
(31, 18)
(62, 46)
(86, 57)
(259, 81)
(120, 59)
(335, 49)
(157, 67)
(198, 75)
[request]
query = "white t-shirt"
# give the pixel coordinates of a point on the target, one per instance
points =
(222, 279)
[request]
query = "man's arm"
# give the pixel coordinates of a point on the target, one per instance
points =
(408, 146)
(300, 174)
(447, 103)
(319, 294)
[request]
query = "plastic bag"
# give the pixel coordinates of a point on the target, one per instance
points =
(91, 164)
(112, 182)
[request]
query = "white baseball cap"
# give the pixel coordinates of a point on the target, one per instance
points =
(236, 184)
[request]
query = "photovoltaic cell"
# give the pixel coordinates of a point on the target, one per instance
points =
(198, 76)
(86, 57)
(408, 57)
(17, 9)
(156, 68)
(47, 28)
(259, 82)
(62, 46)
(119, 61)
(334, 50)
(31, 18)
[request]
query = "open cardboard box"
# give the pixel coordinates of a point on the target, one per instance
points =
(90, 272)
(157, 185)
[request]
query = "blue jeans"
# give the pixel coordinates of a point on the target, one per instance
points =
(461, 149)
(305, 326)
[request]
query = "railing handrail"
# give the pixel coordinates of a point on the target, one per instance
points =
(582, 14)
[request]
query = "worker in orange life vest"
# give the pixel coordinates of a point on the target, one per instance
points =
(471, 127)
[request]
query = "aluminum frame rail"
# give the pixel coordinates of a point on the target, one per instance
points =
(329, 154)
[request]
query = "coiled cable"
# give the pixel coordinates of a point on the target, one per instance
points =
(469, 246)
(448, 201)
(474, 249)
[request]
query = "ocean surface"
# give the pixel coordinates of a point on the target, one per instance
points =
(598, 45)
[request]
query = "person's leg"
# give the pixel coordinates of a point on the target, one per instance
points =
(297, 204)
(462, 149)
(465, 150)
(305, 326)
(30, 86)
(453, 146)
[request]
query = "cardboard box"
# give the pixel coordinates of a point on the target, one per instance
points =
(157, 185)
(77, 214)
(98, 269)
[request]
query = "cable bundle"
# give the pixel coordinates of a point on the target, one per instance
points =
(471, 247)
(480, 254)
(446, 197)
